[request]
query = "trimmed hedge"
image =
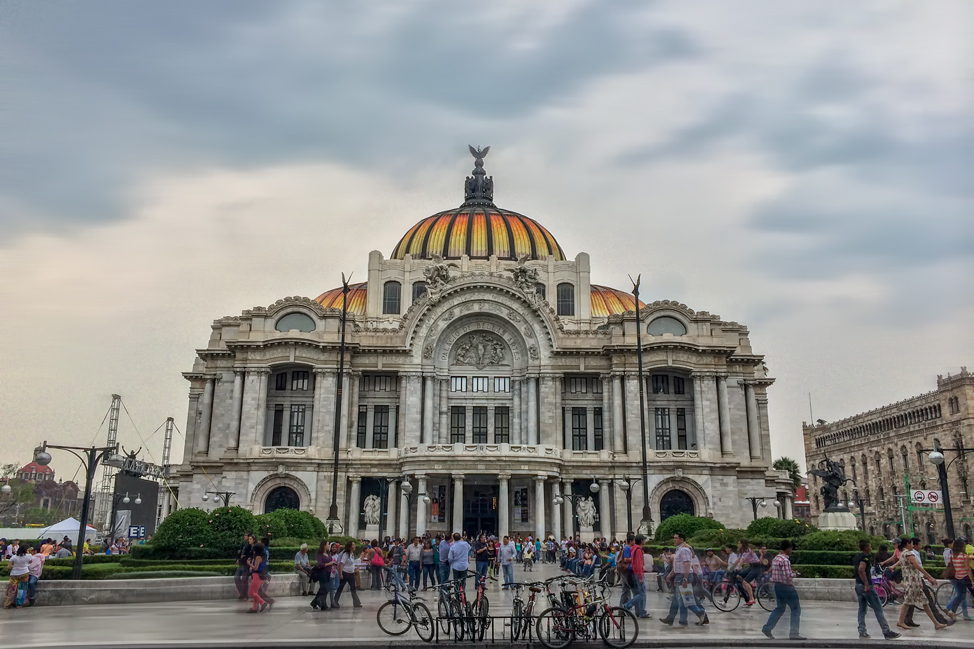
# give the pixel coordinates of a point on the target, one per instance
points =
(833, 541)
(162, 574)
(778, 528)
(103, 571)
(811, 571)
(89, 559)
(155, 552)
(686, 524)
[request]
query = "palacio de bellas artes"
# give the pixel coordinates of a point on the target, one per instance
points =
(484, 367)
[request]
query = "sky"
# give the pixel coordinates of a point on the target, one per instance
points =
(801, 168)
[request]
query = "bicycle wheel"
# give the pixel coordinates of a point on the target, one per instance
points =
(882, 595)
(517, 618)
(479, 618)
(423, 622)
(443, 613)
(554, 628)
(458, 619)
(618, 627)
(393, 618)
(945, 593)
(765, 596)
(725, 596)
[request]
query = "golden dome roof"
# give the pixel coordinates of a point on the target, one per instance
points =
(608, 301)
(356, 298)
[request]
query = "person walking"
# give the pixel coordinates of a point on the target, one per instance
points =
(481, 551)
(241, 576)
(637, 570)
(19, 573)
(428, 562)
(785, 594)
(414, 560)
(346, 570)
(913, 576)
(960, 563)
(680, 576)
(324, 565)
(866, 594)
(459, 558)
(507, 555)
(258, 573)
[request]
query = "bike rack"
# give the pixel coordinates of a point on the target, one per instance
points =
(491, 628)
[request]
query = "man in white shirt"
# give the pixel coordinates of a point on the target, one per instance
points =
(460, 559)
(680, 576)
(507, 554)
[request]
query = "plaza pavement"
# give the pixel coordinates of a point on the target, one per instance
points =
(293, 623)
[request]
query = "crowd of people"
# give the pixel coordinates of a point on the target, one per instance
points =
(25, 564)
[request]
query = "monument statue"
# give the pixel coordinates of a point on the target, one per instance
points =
(832, 477)
(525, 278)
(372, 510)
(479, 350)
(586, 512)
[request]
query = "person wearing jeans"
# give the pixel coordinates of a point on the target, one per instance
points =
(680, 577)
(636, 570)
(241, 577)
(443, 545)
(346, 568)
(414, 558)
(784, 593)
(961, 579)
(507, 556)
(866, 594)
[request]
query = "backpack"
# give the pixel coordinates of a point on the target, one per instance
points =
(377, 559)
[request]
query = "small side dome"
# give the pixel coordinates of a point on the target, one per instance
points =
(299, 321)
(608, 301)
(666, 325)
(356, 298)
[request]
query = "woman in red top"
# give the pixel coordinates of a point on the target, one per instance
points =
(961, 580)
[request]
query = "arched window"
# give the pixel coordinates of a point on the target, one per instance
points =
(865, 467)
(889, 456)
(281, 498)
(566, 299)
(542, 290)
(882, 495)
(419, 290)
(872, 531)
(298, 321)
(675, 501)
(919, 450)
(879, 465)
(906, 458)
(967, 530)
(936, 444)
(852, 463)
(666, 325)
(392, 297)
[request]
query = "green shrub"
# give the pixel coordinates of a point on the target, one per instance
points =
(835, 541)
(154, 552)
(778, 528)
(293, 542)
(185, 528)
(229, 524)
(686, 524)
(719, 538)
(128, 562)
(811, 571)
(162, 574)
(88, 559)
(290, 523)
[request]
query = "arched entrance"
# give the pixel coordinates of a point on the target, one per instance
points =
(675, 501)
(281, 498)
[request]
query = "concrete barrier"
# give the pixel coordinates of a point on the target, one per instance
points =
(137, 591)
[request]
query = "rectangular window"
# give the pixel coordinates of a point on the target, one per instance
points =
(596, 386)
(479, 384)
(663, 428)
(378, 383)
(480, 424)
(278, 427)
(597, 425)
(577, 385)
(280, 381)
(681, 428)
(363, 416)
(458, 384)
(295, 434)
(678, 385)
(579, 430)
(380, 427)
(458, 425)
(502, 384)
(661, 384)
(299, 380)
(502, 425)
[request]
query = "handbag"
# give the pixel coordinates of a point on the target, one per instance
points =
(21, 593)
(949, 571)
(377, 560)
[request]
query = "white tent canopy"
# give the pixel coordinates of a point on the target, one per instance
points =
(69, 527)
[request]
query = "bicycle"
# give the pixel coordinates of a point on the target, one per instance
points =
(401, 613)
(587, 615)
(522, 613)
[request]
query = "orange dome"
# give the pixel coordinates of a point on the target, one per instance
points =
(356, 298)
(608, 301)
(478, 231)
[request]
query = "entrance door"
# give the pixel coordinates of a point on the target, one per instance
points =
(480, 509)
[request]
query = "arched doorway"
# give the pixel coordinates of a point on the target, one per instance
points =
(281, 498)
(675, 502)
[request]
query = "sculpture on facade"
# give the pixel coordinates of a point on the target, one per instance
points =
(479, 350)
(525, 278)
(832, 477)
(586, 512)
(372, 510)
(437, 276)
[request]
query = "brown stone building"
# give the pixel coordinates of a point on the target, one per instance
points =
(882, 451)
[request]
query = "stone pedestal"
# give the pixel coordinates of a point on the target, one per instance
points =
(837, 520)
(586, 534)
(372, 531)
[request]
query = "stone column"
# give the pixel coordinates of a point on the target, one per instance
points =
(633, 436)
(516, 415)
(345, 421)
(349, 432)
(429, 415)
(566, 508)
(420, 505)
(404, 436)
(620, 514)
(236, 401)
(392, 505)
(753, 428)
(723, 410)
(457, 520)
(318, 412)
(206, 415)
(618, 421)
(551, 429)
(411, 409)
(253, 411)
(404, 516)
(354, 504)
(698, 422)
(789, 514)
(532, 411)
(539, 514)
(589, 429)
(503, 505)
(607, 418)
(605, 509)
(444, 411)
(555, 513)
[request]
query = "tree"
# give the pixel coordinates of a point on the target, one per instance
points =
(785, 463)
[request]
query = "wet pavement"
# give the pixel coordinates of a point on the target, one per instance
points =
(292, 620)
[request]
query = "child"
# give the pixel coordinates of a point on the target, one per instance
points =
(528, 558)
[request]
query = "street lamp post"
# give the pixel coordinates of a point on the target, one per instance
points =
(860, 502)
(647, 520)
(407, 491)
(936, 457)
(757, 501)
(222, 495)
(626, 486)
(89, 460)
(574, 498)
(333, 523)
(383, 502)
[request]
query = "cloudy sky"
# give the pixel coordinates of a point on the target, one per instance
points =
(803, 168)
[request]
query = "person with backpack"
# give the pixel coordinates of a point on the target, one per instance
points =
(637, 569)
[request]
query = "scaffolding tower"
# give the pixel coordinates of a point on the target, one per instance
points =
(103, 499)
(164, 493)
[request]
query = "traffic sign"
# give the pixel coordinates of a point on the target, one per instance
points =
(924, 496)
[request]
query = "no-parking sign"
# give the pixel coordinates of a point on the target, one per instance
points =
(925, 497)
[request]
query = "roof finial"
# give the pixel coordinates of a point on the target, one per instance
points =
(479, 188)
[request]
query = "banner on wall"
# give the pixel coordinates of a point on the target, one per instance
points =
(521, 504)
(438, 506)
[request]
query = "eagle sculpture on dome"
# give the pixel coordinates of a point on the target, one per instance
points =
(479, 154)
